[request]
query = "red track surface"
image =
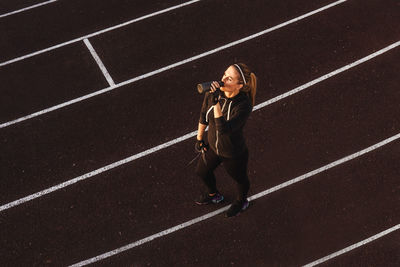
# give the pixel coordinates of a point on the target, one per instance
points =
(328, 121)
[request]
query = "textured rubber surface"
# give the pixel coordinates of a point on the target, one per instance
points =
(303, 132)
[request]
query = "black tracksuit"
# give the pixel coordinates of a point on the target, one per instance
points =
(226, 140)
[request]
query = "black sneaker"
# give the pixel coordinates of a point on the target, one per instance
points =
(237, 207)
(207, 199)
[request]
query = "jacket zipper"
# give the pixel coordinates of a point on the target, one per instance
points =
(222, 110)
(216, 144)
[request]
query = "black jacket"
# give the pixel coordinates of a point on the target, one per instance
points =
(225, 134)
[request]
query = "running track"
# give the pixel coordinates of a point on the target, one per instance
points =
(298, 222)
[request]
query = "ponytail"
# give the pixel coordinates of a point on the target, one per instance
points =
(252, 88)
(249, 80)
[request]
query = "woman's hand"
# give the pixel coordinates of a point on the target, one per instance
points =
(215, 92)
(200, 145)
(215, 86)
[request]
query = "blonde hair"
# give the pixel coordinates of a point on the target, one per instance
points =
(248, 79)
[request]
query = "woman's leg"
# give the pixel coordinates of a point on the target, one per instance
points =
(206, 165)
(237, 169)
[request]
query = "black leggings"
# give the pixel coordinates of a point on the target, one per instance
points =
(235, 167)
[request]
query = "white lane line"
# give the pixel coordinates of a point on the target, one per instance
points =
(97, 33)
(99, 62)
(327, 76)
(354, 246)
(248, 38)
(26, 8)
(150, 238)
(214, 213)
(44, 111)
(296, 90)
(95, 172)
(159, 147)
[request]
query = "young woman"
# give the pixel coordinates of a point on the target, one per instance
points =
(225, 110)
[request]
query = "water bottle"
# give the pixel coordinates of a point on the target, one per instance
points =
(206, 86)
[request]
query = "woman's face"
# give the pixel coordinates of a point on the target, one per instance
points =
(231, 80)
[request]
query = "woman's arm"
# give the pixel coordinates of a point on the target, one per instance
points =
(200, 131)
(237, 120)
(217, 111)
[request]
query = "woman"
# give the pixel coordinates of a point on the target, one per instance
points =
(225, 110)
